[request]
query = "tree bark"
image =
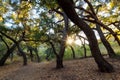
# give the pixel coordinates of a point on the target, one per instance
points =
(30, 50)
(23, 54)
(9, 51)
(111, 31)
(4, 42)
(73, 52)
(36, 52)
(100, 23)
(85, 51)
(31, 54)
(83, 44)
(59, 62)
(38, 57)
(63, 43)
(59, 56)
(68, 7)
(107, 45)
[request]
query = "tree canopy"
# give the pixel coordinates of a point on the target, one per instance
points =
(28, 25)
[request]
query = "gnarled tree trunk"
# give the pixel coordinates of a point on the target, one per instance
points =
(31, 54)
(68, 7)
(37, 55)
(73, 52)
(59, 56)
(107, 45)
(7, 54)
(23, 54)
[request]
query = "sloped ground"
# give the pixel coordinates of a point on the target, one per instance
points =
(83, 69)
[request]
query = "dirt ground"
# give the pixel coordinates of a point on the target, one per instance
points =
(83, 69)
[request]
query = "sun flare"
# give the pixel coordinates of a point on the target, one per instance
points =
(70, 41)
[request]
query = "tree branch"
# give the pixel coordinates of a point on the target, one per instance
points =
(54, 50)
(4, 42)
(91, 7)
(8, 37)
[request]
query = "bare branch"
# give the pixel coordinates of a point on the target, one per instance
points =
(91, 15)
(53, 47)
(91, 7)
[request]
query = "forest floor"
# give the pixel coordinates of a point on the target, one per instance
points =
(83, 69)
